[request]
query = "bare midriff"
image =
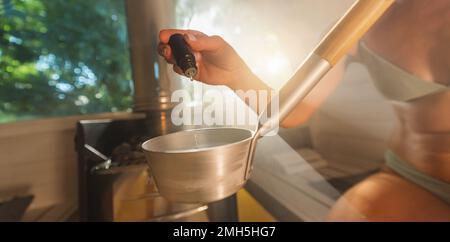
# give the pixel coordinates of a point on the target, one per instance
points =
(414, 36)
(422, 134)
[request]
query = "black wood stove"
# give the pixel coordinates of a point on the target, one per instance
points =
(111, 161)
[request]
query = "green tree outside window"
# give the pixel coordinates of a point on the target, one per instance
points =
(63, 57)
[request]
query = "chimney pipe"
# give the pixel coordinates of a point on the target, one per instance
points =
(152, 86)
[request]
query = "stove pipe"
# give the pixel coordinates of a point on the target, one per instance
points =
(152, 85)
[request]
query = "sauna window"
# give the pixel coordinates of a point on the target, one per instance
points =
(60, 57)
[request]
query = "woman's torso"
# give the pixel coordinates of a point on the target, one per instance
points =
(422, 133)
(415, 38)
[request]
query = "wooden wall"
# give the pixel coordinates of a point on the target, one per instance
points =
(39, 157)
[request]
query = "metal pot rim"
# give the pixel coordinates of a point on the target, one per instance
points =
(187, 151)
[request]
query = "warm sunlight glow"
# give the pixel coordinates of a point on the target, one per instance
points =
(272, 38)
(277, 65)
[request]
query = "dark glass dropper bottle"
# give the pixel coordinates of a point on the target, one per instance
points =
(183, 55)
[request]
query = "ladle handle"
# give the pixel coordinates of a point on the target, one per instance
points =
(350, 28)
(347, 31)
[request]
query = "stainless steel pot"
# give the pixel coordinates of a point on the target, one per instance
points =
(201, 165)
(207, 165)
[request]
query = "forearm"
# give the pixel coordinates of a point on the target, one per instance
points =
(247, 81)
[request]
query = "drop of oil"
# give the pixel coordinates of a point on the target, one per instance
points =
(197, 146)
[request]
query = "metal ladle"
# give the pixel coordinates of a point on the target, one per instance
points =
(207, 165)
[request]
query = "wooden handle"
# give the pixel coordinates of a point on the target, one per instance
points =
(350, 28)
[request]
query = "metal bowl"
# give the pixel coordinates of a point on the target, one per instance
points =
(199, 166)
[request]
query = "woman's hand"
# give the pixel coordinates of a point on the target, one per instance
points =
(217, 62)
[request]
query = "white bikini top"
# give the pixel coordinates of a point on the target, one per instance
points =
(394, 82)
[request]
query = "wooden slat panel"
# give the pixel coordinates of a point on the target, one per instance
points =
(41, 155)
(53, 124)
(51, 146)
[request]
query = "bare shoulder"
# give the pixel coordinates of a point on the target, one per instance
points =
(388, 197)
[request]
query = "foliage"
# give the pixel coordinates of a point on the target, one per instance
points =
(63, 57)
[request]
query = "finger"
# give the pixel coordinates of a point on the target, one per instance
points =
(168, 55)
(178, 70)
(169, 58)
(197, 55)
(162, 49)
(166, 52)
(204, 43)
(164, 35)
